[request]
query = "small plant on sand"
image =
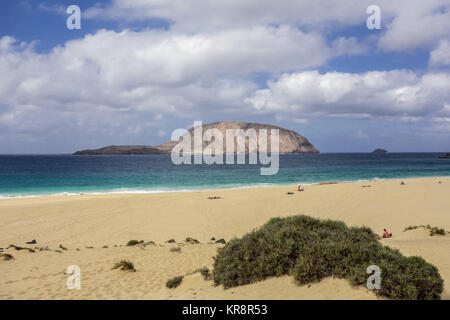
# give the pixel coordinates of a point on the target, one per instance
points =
(205, 273)
(6, 256)
(59, 251)
(134, 242)
(105, 247)
(192, 240)
(20, 248)
(433, 230)
(438, 231)
(175, 249)
(174, 282)
(310, 250)
(124, 265)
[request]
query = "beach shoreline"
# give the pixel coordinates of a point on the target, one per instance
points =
(107, 222)
(120, 191)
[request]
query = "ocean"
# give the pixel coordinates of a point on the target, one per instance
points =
(32, 175)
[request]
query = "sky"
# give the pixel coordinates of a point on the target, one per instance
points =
(139, 69)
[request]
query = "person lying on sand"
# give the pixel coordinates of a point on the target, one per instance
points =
(213, 198)
(386, 234)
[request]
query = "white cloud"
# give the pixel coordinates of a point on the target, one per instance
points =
(361, 135)
(400, 94)
(195, 15)
(406, 24)
(442, 125)
(441, 55)
(299, 120)
(348, 46)
(109, 82)
(57, 8)
(416, 24)
(110, 79)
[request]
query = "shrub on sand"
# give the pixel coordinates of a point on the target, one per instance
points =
(124, 265)
(433, 230)
(134, 242)
(310, 250)
(6, 256)
(436, 230)
(410, 228)
(174, 282)
(206, 274)
(192, 240)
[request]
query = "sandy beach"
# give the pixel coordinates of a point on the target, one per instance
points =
(96, 228)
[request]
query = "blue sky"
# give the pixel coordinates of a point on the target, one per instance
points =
(137, 70)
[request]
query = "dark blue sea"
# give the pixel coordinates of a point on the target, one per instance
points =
(31, 175)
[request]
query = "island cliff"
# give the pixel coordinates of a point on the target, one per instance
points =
(289, 141)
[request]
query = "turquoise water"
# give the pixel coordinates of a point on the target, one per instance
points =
(56, 174)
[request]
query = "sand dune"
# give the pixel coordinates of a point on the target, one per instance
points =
(78, 222)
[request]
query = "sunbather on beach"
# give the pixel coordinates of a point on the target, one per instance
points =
(386, 234)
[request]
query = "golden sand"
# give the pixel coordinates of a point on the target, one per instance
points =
(79, 222)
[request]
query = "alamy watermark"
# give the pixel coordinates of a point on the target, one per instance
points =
(374, 20)
(374, 280)
(207, 146)
(74, 280)
(74, 19)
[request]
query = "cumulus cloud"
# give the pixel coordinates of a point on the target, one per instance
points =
(441, 55)
(402, 94)
(130, 82)
(416, 24)
(343, 46)
(127, 81)
(109, 79)
(198, 15)
(406, 24)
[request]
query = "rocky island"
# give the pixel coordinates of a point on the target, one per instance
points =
(289, 141)
(380, 151)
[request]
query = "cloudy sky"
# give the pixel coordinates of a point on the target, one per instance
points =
(138, 69)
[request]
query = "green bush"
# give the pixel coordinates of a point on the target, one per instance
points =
(310, 250)
(436, 230)
(174, 282)
(6, 256)
(205, 273)
(134, 242)
(192, 240)
(433, 230)
(124, 265)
